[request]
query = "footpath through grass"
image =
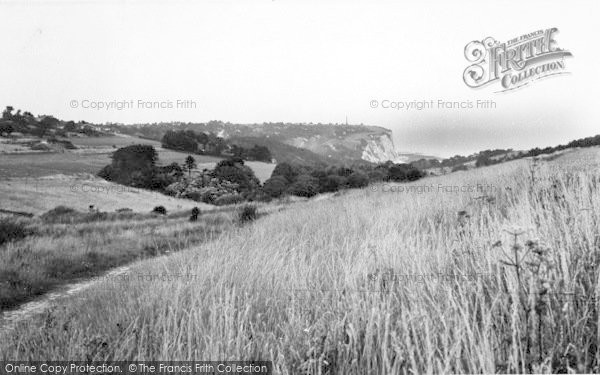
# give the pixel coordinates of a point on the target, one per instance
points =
(41, 254)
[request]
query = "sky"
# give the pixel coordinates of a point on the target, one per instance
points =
(300, 61)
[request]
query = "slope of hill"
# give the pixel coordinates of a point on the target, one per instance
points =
(367, 282)
(79, 191)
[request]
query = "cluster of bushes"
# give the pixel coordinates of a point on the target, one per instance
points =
(12, 230)
(247, 213)
(306, 181)
(229, 182)
(205, 189)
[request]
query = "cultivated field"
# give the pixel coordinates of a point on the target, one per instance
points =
(490, 270)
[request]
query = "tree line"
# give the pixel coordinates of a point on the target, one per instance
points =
(210, 144)
(231, 181)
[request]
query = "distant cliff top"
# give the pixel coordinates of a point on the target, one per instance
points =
(286, 129)
(346, 143)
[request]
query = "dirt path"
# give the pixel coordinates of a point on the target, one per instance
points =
(10, 318)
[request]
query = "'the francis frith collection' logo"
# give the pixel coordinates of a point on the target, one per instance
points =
(515, 63)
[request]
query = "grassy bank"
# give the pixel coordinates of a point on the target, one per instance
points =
(420, 280)
(61, 248)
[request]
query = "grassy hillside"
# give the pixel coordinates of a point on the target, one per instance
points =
(38, 195)
(63, 248)
(417, 280)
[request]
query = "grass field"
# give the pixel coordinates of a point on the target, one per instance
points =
(427, 277)
(38, 195)
(110, 141)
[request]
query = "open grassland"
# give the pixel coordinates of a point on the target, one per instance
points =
(418, 278)
(111, 141)
(40, 164)
(38, 195)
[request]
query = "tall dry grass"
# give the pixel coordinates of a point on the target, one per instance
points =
(61, 249)
(369, 282)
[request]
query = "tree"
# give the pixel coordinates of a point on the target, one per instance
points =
(133, 165)
(47, 123)
(6, 128)
(180, 140)
(190, 163)
(358, 180)
(7, 113)
(234, 170)
(70, 127)
(483, 160)
(414, 174)
(286, 170)
(259, 153)
(332, 183)
(275, 186)
(304, 186)
(397, 172)
(135, 157)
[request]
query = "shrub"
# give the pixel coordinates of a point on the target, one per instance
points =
(358, 180)
(161, 210)
(289, 171)
(403, 172)
(94, 216)
(378, 174)
(11, 230)
(229, 199)
(247, 214)
(275, 186)
(460, 167)
(333, 182)
(305, 186)
(195, 214)
(60, 214)
(108, 173)
(414, 174)
(483, 161)
(41, 147)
